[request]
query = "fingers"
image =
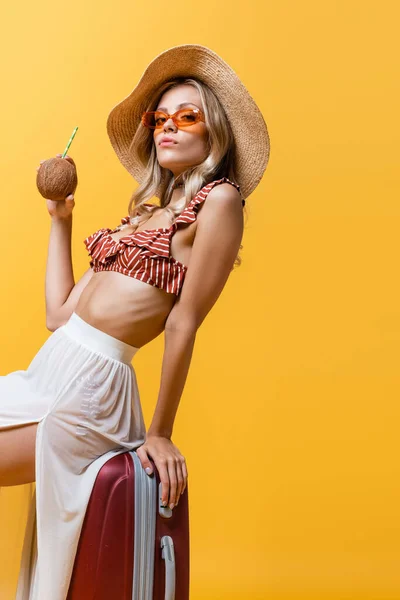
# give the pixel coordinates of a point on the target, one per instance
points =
(68, 158)
(162, 471)
(184, 474)
(164, 478)
(173, 480)
(172, 472)
(181, 481)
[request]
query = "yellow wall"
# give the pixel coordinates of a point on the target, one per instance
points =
(289, 420)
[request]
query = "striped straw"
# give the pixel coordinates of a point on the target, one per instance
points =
(69, 142)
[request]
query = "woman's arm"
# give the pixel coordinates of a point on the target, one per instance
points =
(62, 315)
(59, 270)
(217, 242)
(62, 294)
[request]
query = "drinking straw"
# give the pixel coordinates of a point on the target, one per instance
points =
(69, 142)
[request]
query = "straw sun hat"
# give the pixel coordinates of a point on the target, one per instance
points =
(192, 60)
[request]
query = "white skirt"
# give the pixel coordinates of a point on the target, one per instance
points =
(81, 388)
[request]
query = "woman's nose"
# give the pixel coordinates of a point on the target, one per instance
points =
(169, 124)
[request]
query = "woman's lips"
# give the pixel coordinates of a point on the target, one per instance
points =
(168, 143)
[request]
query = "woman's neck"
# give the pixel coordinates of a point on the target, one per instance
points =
(176, 196)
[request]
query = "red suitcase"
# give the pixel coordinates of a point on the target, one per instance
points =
(131, 547)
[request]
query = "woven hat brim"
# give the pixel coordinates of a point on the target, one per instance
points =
(193, 60)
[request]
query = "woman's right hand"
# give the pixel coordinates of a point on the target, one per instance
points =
(60, 209)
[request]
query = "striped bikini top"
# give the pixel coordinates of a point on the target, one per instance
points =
(146, 254)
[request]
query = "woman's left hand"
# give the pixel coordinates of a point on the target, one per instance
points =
(170, 464)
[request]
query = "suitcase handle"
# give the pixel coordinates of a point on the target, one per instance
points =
(168, 554)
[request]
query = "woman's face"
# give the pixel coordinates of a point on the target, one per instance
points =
(191, 141)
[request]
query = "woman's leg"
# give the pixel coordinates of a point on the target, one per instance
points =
(80, 393)
(17, 455)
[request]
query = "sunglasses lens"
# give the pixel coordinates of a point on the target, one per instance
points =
(148, 119)
(183, 118)
(186, 117)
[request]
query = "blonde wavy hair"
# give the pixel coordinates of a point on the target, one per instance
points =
(219, 162)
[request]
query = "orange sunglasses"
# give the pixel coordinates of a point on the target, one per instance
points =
(185, 117)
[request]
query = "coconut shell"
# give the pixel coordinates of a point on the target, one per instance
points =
(56, 179)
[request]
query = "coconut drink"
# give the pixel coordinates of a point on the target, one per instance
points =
(57, 177)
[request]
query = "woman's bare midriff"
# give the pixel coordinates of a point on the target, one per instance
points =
(127, 308)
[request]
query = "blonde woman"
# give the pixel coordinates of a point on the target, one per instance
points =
(192, 136)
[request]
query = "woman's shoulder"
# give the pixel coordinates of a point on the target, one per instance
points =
(206, 189)
(189, 214)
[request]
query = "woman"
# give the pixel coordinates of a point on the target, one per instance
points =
(77, 405)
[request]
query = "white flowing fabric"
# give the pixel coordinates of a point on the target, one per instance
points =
(82, 391)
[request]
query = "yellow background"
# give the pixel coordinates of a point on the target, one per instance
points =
(290, 416)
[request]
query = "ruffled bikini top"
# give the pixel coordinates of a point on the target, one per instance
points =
(146, 254)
